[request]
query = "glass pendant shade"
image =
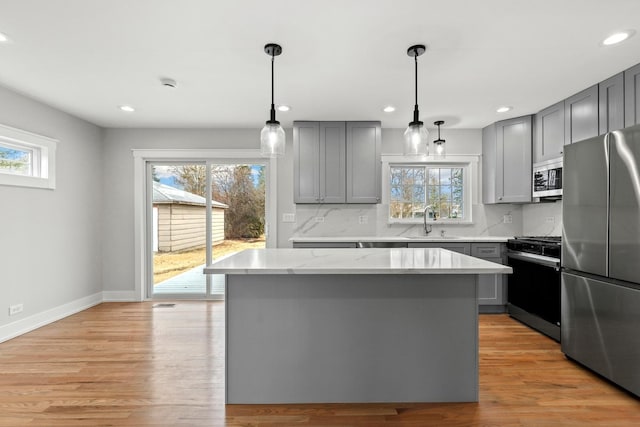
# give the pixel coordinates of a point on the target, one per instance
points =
(440, 150)
(272, 140)
(416, 140)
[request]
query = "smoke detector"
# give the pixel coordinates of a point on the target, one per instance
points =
(166, 82)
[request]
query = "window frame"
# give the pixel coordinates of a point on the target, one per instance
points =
(469, 164)
(43, 149)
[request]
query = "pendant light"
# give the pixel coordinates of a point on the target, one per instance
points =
(272, 137)
(415, 137)
(439, 143)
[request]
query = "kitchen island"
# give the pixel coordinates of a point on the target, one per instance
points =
(345, 325)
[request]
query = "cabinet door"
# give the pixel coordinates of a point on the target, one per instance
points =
(463, 248)
(581, 115)
(306, 162)
(490, 287)
(513, 172)
(332, 162)
(364, 168)
(549, 134)
(611, 104)
(632, 96)
(489, 164)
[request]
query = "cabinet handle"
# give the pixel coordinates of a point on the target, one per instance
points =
(499, 198)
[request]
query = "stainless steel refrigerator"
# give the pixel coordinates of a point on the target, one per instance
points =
(600, 320)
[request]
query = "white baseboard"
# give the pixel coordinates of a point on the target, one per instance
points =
(119, 296)
(38, 320)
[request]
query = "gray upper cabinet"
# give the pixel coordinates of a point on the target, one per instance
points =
(319, 162)
(337, 162)
(549, 133)
(611, 104)
(581, 115)
(632, 96)
(364, 168)
(506, 161)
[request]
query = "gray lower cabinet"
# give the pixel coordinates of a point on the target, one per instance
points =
(337, 162)
(460, 247)
(632, 96)
(491, 287)
(581, 115)
(549, 133)
(611, 104)
(506, 161)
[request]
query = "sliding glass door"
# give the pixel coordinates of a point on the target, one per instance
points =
(197, 212)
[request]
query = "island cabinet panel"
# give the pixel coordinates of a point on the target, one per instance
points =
(337, 162)
(364, 168)
(549, 133)
(632, 96)
(611, 104)
(581, 115)
(506, 161)
(298, 338)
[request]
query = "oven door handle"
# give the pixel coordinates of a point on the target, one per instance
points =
(536, 259)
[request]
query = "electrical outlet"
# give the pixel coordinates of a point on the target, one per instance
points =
(550, 220)
(319, 219)
(507, 219)
(363, 219)
(15, 309)
(288, 217)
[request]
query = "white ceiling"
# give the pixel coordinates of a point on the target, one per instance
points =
(342, 59)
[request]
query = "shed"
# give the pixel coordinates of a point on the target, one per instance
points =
(179, 219)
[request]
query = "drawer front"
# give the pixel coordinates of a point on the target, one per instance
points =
(463, 248)
(486, 250)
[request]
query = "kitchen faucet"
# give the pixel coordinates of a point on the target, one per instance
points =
(427, 228)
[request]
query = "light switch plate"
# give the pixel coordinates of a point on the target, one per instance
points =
(363, 219)
(507, 219)
(319, 219)
(289, 217)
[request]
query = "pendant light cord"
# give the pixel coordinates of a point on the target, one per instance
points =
(416, 61)
(273, 109)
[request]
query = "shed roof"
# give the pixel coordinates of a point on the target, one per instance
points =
(166, 194)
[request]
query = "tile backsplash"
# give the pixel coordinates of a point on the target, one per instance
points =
(371, 220)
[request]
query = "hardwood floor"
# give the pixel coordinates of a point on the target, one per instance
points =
(130, 364)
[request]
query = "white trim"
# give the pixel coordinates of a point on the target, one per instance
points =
(142, 156)
(119, 296)
(44, 174)
(469, 162)
(46, 317)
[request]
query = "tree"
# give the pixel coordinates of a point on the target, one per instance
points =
(14, 160)
(235, 186)
(193, 178)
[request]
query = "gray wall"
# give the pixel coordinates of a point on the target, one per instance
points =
(118, 229)
(50, 251)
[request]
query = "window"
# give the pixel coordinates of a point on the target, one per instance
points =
(26, 159)
(441, 191)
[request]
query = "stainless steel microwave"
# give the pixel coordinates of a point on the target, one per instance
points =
(547, 179)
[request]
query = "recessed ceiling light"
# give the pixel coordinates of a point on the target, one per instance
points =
(284, 108)
(618, 37)
(389, 109)
(127, 108)
(503, 109)
(4, 38)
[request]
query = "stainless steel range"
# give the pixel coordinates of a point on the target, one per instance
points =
(533, 290)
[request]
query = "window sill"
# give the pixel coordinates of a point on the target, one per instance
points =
(26, 181)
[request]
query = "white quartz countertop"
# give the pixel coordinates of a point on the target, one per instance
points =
(353, 261)
(435, 238)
